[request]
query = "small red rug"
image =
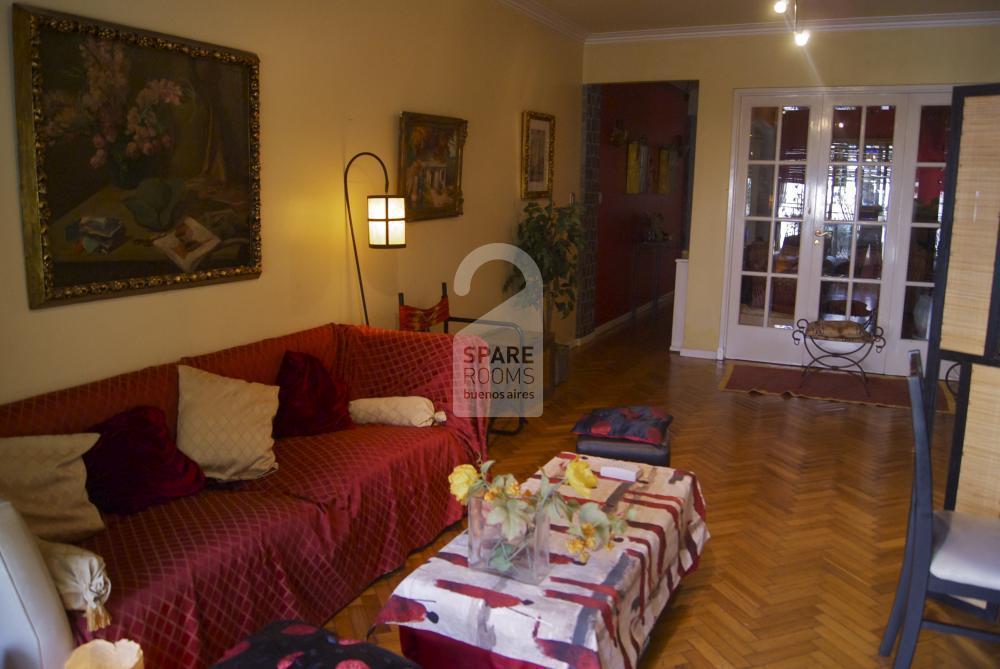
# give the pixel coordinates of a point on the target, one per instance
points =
(888, 391)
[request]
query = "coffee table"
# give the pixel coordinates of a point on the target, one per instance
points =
(597, 615)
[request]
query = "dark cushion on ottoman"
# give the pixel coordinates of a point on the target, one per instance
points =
(622, 449)
(644, 424)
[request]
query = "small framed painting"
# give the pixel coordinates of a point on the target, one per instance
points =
(430, 165)
(138, 157)
(538, 154)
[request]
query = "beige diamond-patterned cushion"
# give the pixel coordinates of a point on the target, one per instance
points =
(225, 424)
(45, 479)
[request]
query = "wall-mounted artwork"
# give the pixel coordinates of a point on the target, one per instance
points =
(664, 172)
(138, 156)
(641, 168)
(538, 154)
(430, 164)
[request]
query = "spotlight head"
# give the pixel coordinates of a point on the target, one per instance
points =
(801, 37)
(781, 6)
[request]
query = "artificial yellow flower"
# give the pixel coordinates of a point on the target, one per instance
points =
(587, 529)
(461, 479)
(591, 543)
(583, 557)
(491, 494)
(574, 545)
(513, 489)
(579, 476)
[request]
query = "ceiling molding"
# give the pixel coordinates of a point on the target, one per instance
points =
(549, 18)
(956, 19)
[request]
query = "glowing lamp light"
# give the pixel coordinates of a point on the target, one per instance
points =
(781, 6)
(801, 37)
(386, 222)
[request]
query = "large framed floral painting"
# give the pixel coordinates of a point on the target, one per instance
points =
(139, 159)
(430, 164)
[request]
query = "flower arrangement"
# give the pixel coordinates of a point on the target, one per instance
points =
(522, 516)
(119, 131)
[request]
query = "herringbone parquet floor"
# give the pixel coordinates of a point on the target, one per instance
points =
(806, 502)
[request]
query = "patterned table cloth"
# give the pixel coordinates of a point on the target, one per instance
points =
(595, 615)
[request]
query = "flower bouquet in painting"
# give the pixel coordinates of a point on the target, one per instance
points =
(509, 523)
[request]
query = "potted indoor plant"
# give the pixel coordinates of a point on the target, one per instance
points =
(551, 235)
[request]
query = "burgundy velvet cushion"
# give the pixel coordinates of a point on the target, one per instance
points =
(310, 401)
(136, 464)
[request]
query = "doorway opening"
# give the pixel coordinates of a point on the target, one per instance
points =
(638, 165)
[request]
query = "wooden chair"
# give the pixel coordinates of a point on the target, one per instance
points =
(948, 554)
(419, 319)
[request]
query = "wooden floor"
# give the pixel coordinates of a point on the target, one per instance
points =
(806, 503)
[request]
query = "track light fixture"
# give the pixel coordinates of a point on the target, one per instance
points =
(801, 36)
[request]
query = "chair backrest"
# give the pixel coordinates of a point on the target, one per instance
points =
(922, 496)
(34, 629)
(417, 319)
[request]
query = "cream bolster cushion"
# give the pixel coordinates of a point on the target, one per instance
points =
(410, 411)
(81, 580)
(45, 479)
(225, 424)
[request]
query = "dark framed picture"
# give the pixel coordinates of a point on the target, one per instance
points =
(538, 154)
(138, 157)
(430, 164)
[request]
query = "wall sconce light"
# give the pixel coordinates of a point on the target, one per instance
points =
(386, 221)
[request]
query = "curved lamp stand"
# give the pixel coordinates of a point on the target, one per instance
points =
(385, 217)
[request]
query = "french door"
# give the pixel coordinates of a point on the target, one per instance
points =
(835, 212)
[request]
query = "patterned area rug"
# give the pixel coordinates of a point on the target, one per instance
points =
(888, 391)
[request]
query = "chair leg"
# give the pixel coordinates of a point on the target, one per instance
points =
(913, 619)
(899, 602)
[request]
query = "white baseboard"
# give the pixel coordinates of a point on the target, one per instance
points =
(698, 353)
(607, 328)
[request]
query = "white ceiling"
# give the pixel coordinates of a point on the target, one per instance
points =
(595, 17)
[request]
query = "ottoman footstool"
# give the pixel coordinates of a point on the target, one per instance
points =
(635, 434)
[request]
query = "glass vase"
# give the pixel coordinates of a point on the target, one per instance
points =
(524, 557)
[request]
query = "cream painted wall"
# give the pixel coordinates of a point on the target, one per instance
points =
(862, 58)
(334, 78)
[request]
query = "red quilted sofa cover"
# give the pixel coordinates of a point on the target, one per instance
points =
(191, 577)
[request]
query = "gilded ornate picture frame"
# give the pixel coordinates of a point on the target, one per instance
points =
(430, 165)
(538, 154)
(139, 158)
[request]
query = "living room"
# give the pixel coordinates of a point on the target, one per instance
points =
(334, 79)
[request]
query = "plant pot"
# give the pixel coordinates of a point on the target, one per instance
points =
(524, 558)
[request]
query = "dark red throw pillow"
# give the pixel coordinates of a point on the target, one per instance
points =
(136, 464)
(310, 401)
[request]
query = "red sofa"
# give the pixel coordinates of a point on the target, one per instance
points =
(191, 577)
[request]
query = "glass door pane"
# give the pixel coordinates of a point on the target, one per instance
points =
(773, 211)
(856, 211)
(924, 221)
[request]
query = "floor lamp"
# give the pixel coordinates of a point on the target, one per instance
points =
(386, 221)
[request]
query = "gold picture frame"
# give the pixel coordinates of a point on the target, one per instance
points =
(538, 154)
(139, 159)
(430, 165)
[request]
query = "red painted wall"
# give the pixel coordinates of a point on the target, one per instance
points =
(658, 111)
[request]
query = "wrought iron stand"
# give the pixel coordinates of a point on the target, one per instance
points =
(822, 356)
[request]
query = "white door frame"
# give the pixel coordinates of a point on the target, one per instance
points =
(734, 161)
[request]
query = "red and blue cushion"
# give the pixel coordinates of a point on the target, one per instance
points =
(643, 424)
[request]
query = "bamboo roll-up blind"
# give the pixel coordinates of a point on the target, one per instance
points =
(974, 229)
(979, 483)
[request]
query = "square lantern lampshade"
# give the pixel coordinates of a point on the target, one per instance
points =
(386, 222)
